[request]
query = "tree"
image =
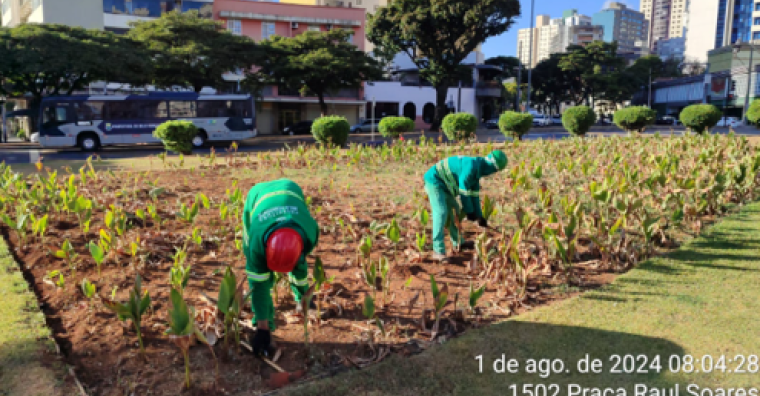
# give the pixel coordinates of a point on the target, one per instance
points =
(55, 59)
(190, 51)
(506, 63)
(319, 62)
(551, 84)
(438, 35)
(51, 59)
(589, 67)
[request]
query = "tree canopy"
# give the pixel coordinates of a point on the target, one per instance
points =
(438, 35)
(319, 62)
(191, 51)
(52, 59)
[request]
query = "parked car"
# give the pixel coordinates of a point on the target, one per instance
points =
(667, 120)
(541, 120)
(492, 123)
(732, 122)
(299, 128)
(556, 120)
(365, 126)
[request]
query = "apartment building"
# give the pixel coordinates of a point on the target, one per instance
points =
(701, 29)
(551, 36)
(623, 25)
(666, 19)
(281, 106)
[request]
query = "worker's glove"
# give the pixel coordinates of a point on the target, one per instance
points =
(472, 217)
(261, 342)
(482, 222)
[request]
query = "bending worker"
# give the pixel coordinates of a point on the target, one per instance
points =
(452, 177)
(278, 233)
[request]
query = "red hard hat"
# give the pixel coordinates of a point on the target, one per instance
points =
(284, 248)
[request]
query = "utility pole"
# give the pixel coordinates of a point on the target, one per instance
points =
(650, 88)
(373, 119)
(530, 55)
(749, 85)
(519, 83)
(459, 98)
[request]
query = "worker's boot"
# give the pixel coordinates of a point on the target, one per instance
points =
(467, 245)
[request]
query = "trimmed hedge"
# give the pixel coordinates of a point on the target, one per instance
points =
(700, 117)
(331, 130)
(634, 118)
(753, 114)
(459, 126)
(578, 120)
(177, 135)
(392, 127)
(512, 123)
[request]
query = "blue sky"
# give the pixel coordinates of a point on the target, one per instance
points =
(506, 44)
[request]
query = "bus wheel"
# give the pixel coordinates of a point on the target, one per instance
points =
(88, 142)
(200, 139)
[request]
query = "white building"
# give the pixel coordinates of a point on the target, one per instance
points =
(551, 36)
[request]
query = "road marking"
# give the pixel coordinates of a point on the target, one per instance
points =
(34, 156)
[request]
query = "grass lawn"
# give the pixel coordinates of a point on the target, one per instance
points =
(699, 300)
(27, 351)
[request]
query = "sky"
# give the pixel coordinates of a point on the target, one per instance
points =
(506, 44)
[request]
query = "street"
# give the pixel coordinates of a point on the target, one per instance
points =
(26, 153)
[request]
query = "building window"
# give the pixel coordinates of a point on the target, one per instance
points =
(267, 30)
(6, 5)
(757, 6)
(235, 26)
(755, 35)
(756, 21)
(350, 37)
(314, 28)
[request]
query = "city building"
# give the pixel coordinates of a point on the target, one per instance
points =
(110, 15)
(280, 107)
(550, 36)
(738, 20)
(701, 29)
(672, 48)
(623, 25)
(666, 20)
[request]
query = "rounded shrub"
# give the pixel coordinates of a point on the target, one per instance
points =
(753, 114)
(578, 120)
(331, 130)
(392, 127)
(700, 117)
(177, 136)
(515, 124)
(634, 118)
(459, 126)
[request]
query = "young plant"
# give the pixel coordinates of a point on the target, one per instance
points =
(421, 240)
(475, 295)
(155, 216)
(369, 272)
(369, 312)
(98, 254)
(88, 289)
(385, 271)
(440, 298)
(488, 208)
(230, 303)
(182, 329)
(56, 278)
(18, 225)
(39, 227)
(133, 310)
(188, 214)
(67, 253)
(319, 279)
(179, 274)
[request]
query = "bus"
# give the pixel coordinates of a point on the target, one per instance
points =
(91, 122)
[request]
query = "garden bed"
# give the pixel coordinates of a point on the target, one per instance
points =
(627, 199)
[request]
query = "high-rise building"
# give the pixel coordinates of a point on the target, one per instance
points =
(701, 29)
(666, 19)
(551, 36)
(737, 20)
(622, 24)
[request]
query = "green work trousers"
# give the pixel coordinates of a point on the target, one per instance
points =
(444, 207)
(263, 293)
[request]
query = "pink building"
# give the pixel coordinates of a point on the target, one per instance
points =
(280, 107)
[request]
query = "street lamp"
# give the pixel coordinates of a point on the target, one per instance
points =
(530, 55)
(737, 49)
(519, 82)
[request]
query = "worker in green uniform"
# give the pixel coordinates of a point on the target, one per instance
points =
(453, 177)
(278, 233)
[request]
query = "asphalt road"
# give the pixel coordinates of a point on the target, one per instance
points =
(25, 153)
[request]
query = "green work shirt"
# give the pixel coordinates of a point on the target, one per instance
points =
(460, 176)
(269, 207)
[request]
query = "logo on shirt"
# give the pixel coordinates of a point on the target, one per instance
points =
(277, 212)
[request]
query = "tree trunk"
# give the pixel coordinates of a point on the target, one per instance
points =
(322, 104)
(440, 106)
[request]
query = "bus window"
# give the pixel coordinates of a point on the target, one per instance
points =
(240, 108)
(181, 109)
(88, 111)
(153, 109)
(122, 110)
(212, 109)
